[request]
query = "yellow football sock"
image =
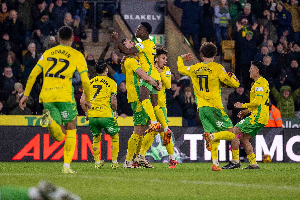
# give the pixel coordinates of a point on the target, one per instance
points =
(149, 109)
(224, 135)
(169, 147)
(252, 159)
(96, 147)
(235, 155)
(160, 116)
(69, 147)
(215, 149)
(147, 142)
(56, 132)
(139, 145)
(115, 147)
(132, 146)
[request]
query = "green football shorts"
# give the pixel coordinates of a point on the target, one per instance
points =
(62, 112)
(150, 87)
(109, 124)
(214, 120)
(140, 116)
(247, 127)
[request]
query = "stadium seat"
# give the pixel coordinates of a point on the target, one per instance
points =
(229, 52)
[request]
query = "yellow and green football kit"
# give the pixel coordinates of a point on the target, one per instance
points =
(206, 79)
(101, 114)
(58, 65)
(259, 108)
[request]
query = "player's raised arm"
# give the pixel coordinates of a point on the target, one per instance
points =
(132, 50)
(184, 70)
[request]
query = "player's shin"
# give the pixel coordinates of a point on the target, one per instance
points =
(139, 145)
(56, 132)
(132, 146)
(169, 147)
(161, 117)
(215, 151)
(115, 147)
(147, 142)
(96, 148)
(69, 147)
(223, 135)
(149, 109)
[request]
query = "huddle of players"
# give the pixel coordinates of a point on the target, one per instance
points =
(147, 77)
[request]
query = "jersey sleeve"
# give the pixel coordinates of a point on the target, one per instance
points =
(259, 91)
(166, 77)
(81, 64)
(227, 79)
(184, 70)
(31, 79)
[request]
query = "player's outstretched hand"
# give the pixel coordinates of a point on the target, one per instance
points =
(88, 105)
(116, 114)
(123, 59)
(242, 113)
(115, 35)
(187, 57)
(23, 102)
(238, 105)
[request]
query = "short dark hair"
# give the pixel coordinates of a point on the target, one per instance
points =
(65, 33)
(100, 66)
(147, 26)
(161, 50)
(260, 66)
(208, 50)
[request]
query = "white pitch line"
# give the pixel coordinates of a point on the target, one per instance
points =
(281, 187)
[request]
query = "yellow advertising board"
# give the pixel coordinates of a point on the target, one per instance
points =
(34, 120)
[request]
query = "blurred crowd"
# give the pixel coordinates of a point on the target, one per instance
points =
(265, 30)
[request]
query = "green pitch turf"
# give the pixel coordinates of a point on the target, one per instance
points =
(187, 181)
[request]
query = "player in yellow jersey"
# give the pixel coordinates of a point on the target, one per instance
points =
(146, 51)
(103, 97)
(165, 73)
(250, 126)
(133, 71)
(206, 78)
(58, 65)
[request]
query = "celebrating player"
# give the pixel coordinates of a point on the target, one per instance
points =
(58, 65)
(103, 91)
(165, 73)
(250, 126)
(133, 71)
(206, 78)
(146, 51)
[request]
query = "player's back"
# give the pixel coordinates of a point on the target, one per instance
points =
(59, 64)
(101, 89)
(206, 82)
(132, 79)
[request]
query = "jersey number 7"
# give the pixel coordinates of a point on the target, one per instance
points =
(205, 77)
(57, 74)
(99, 87)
